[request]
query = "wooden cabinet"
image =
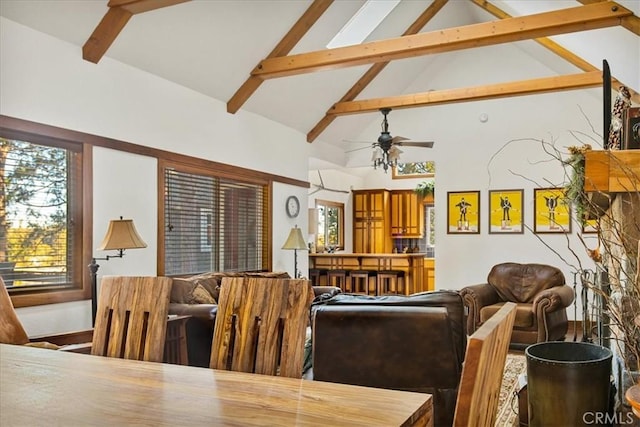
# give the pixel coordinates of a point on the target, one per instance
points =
(406, 214)
(371, 232)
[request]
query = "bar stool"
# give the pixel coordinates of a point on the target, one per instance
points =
(391, 282)
(338, 278)
(315, 274)
(360, 281)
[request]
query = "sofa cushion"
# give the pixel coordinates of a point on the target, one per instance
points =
(520, 283)
(525, 318)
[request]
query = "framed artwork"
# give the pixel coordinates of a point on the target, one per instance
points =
(590, 226)
(463, 212)
(506, 211)
(552, 211)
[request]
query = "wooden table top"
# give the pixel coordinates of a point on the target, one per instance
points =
(48, 387)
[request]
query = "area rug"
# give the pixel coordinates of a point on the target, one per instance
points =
(508, 400)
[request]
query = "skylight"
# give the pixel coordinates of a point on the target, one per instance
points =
(362, 24)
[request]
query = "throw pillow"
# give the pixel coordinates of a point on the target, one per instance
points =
(199, 295)
(181, 290)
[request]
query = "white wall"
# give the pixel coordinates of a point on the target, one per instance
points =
(45, 80)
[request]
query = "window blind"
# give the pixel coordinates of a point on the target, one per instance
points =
(213, 224)
(39, 186)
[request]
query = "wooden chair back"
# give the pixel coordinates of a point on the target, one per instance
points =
(261, 325)
(131, 319)
(483, 368)
(11, 330)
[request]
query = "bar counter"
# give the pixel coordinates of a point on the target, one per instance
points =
(411, 263)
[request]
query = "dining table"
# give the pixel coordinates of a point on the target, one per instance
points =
(53, 387)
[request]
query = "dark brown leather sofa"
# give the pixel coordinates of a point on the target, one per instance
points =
(197, 296)
(540, 292)
(413, 343)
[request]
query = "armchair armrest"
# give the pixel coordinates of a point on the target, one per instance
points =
(475, 297)
(553, 299)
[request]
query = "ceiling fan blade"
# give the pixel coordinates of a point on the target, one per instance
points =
(361, 148)
(351, 141)
(397, 139)
(425, 144)
(337, 191)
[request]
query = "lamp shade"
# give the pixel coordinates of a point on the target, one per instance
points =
(295, 240)
(121, 234)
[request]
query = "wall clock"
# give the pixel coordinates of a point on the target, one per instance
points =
(293, 206)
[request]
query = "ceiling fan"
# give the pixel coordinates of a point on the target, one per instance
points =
(385, 150)
(321, 187)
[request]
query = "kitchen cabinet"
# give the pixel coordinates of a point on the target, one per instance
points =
(371, 232)
(406, 214)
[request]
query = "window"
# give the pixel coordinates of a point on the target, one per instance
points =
(213, 223)
(41, 219)
(414, 170)
(330, 231)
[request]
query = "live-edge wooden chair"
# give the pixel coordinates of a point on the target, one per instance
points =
(131, 318)
(483, 368)
(261, 325)
(12, 331)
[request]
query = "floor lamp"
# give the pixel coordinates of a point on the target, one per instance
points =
(121, 235)
(295, 242)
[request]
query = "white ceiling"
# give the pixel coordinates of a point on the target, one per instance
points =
(211, 46)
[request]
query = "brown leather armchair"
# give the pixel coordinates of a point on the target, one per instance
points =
(539, 291)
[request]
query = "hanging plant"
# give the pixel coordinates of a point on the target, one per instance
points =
(425, 188)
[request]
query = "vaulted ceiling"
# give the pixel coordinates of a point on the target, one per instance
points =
(270, 57)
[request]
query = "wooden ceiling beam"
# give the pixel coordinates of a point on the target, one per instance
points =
(554, 47)
(112, 23)
(631, 23)
(375, 69)
(477, 93)
(299, 29)
(582, 18)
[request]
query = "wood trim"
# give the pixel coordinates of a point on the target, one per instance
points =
(476, 93)
(554, 47)
(114, 144)
(563, 21)
(375, 69)
(288, 42)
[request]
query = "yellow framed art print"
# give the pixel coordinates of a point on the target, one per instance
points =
(552, 211)
(506, 211)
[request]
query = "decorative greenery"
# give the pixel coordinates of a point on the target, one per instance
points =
(425, 188)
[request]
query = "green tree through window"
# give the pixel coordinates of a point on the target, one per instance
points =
(36, 226)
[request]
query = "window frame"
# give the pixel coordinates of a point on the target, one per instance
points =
(332, 204)
(79, 288)
(396, 175)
